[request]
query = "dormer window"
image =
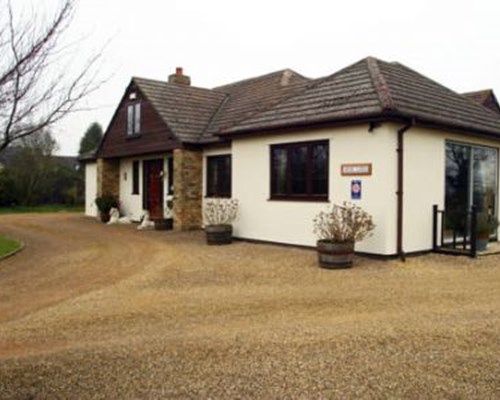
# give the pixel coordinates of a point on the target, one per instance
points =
(134, 119)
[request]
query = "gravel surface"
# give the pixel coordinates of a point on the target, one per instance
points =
(94, 311)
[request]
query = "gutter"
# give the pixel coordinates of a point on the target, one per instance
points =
(399, 191)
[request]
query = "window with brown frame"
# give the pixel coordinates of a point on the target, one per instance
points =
(299, 171)
(219, 176)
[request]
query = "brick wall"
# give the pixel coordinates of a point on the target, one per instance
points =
(187, 189)
(108, 177)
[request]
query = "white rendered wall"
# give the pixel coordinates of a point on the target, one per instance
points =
(291, 221)
(131, 204)
(90, 189)
(424, 181)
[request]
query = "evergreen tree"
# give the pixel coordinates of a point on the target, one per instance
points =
(91, 139)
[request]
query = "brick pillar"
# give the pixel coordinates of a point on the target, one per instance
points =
(108, 177)
(187, 189)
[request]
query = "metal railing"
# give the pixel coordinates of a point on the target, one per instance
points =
(454, 233)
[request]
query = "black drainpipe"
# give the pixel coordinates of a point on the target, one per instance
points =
(399, 192)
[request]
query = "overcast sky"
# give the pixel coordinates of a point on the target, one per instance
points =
(456, 43)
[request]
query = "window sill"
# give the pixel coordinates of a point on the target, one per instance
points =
(215, 196)
(300, 199)
(134, 136)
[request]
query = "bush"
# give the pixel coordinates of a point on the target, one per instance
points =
(219, 211)
(105, 203)
(485, 225)
(7, 197)
(343, 223)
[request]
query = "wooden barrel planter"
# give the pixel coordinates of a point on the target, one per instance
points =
(104, 217)
(164, 224)
(219, 234)
(335, 255)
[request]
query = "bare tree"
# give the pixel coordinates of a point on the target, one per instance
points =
(36, 89)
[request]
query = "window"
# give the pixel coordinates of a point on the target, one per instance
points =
(135, 177)
(134, 119)
(219, 176)
(300, 171)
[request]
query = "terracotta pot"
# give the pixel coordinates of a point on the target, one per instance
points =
(334, 255)
(219, 234)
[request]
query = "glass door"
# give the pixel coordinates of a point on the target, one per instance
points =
(471, 179)
(484, 180)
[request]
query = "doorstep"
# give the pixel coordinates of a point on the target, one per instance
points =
(493, 248)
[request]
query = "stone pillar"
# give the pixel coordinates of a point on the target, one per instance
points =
(188, 173)
(108, 177)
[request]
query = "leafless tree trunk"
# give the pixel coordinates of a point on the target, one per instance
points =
(36, 88)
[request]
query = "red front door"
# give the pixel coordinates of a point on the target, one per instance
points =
(153, 174)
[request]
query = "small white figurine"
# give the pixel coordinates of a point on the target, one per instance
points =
(146, 222)
(114, 217)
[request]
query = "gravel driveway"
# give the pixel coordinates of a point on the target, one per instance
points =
(94, 311)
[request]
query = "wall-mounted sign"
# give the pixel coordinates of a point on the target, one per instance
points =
(356, 169)
(355, 190)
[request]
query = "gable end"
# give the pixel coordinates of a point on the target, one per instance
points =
(154, 134)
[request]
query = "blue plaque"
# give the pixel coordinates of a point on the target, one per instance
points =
(355, 189)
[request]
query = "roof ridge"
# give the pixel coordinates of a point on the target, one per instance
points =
(135, 78)
(214, 116)
(242, 81)
(380, 84)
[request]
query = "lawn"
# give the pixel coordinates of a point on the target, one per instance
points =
(8, 245)
(40, 209)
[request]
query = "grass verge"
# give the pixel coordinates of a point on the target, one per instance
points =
(8, 245)
(41, 209)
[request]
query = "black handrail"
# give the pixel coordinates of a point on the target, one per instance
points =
(468, 234)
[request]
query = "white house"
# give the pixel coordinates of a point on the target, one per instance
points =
(375, 133)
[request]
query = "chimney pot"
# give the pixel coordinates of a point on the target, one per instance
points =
(178, 71)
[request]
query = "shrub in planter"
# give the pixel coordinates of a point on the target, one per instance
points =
(485, 226)
(104, 204)
(338, 229)
(219, 214)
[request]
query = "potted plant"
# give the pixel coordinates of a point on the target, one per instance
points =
(485, 225)
(104, 204)
(338, 229)
(219, 214)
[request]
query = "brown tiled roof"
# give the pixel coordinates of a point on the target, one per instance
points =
(486, 98)
(187, 110)
(347, 93)
(248, 97)
(418, 97)
(370, 88)
(374, 88)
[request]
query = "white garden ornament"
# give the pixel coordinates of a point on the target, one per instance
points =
(146, 222)
(114, 217)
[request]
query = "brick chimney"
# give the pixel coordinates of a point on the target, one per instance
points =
(179, 77)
